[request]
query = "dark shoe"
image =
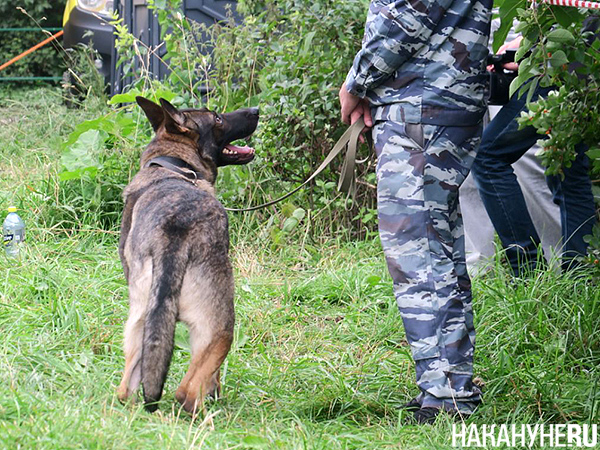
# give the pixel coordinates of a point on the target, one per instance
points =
(412, 406)
(426, 415)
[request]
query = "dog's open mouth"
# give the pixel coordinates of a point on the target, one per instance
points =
(238, 154)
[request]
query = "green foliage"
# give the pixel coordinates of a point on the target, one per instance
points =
(289, 58)
(558, 51)
(43, 62)
(97, 161)
(283, 60)
(563, 55)
(559, 116)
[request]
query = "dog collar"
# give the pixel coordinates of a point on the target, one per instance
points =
(176, 165)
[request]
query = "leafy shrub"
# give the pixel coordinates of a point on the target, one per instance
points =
(558, 50)
(288, 57)
(97, 162)
(554, 39)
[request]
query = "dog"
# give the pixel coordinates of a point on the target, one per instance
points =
(174, 248)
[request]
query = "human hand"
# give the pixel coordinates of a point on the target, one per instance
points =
(514, 44)
(348, 103)
(353, 108)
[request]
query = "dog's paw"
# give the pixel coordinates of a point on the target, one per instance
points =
(190, 403)
(125, 395)
(214, 391)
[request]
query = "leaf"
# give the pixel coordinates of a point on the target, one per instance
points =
(518, 82)
(307, 43)
(288, 209)
(299, 214)
(532, 87)
(561, 35)
(167, 94)
(558, 58)
(83, 155)
(508, 11)
(524, 47)
(76, 174)
(128, 97)
(289, 224)
(101, 123)
(593, 153)
(566, 16)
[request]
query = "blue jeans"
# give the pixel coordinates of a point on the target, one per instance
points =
(502, 145)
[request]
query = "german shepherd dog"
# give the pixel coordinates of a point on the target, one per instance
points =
(174, 250)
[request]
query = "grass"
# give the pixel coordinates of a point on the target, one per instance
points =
(319, 359)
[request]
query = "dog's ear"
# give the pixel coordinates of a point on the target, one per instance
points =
(154, 112)
(174, 120)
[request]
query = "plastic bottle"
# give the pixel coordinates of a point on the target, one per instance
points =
(13, 230)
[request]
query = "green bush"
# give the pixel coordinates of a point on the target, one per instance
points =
(43, 62)
(288, 57)
(559, 50)
(291, 57)
(98, 159)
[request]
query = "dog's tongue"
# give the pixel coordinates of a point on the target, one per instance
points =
(239, 150)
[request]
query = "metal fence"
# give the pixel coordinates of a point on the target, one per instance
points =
(143, 23)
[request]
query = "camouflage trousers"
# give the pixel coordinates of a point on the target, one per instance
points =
(419, 170)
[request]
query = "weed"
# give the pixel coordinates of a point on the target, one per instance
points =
(319, 358)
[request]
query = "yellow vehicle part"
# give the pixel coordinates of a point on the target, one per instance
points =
(70, 5)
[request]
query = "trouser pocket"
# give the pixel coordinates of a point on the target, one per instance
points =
(415, 132)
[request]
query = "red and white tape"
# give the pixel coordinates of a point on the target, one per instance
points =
(575, 3)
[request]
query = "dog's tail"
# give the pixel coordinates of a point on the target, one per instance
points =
(159, 326)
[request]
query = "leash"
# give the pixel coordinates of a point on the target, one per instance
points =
(347, 182)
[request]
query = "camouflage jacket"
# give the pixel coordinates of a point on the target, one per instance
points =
(423, 61)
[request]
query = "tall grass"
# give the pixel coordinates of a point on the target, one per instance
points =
(319, 359)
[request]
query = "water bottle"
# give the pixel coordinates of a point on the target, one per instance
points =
(13, 230)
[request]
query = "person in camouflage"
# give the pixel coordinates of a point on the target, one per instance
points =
(419, 82)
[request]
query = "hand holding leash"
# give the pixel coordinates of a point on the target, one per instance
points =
(353, 108)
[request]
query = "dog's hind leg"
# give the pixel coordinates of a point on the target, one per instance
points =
(215, 382)
(206, 306)
(202, 377)
(132, 375)
(134, 331)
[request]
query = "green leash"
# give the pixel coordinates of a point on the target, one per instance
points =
(347, 182)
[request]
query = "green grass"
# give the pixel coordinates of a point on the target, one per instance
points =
(319, 359)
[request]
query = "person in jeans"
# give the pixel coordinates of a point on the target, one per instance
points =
(419, 82)
(501, 146)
